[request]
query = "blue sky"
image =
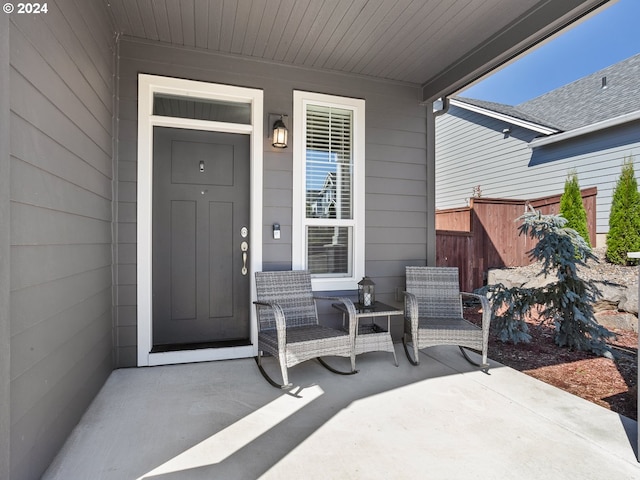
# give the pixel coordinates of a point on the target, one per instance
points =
(602, 40)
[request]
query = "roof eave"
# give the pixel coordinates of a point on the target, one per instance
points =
(545, 19)
(536, 127)
(587, 129)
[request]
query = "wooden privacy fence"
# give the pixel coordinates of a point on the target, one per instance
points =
(485, 234)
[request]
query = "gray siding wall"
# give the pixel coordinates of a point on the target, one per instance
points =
(471, 150)
(61, 137)
(5, 315)
(396, 177)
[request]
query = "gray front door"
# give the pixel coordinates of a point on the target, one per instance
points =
(200, 239)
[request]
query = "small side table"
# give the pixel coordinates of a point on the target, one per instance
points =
(371, 337)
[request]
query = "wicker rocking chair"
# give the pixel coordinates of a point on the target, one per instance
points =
(434, 315)
(288, 326)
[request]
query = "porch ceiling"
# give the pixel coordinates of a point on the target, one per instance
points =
(440, 45)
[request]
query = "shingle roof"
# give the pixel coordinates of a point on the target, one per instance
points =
(583, 102)
(508, 110)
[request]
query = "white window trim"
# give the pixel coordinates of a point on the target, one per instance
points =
(148, 85)
(300, 101)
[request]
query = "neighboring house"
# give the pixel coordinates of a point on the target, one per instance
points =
(525, 151)
(322, 203)
(139, 189)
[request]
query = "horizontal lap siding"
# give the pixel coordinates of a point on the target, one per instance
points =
(598, 160)
(61, 224)
(472, 150)
(469, 153)
(395, 163)
(5, 277)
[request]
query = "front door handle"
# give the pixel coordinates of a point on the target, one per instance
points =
(244, 246)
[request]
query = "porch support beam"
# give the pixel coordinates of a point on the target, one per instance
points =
(431, 185)
(538, 24)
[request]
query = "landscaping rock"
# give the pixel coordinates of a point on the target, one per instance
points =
(617, 297)
(618, 286)
(618, 320)
(515, 277)
(630, 301)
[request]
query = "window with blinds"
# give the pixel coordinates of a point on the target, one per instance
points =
(329, 222)
(329, 162)
(328, 190)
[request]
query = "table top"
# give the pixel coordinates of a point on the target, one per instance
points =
(378, 309)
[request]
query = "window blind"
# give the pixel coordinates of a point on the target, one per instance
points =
(329, 192)
(329, 162)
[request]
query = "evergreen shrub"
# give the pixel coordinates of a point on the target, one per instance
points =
(572, 208)
(567, 302)
(624, 218)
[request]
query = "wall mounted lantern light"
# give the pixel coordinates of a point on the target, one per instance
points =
(280, 133)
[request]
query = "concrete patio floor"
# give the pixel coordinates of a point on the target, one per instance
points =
(441, 420)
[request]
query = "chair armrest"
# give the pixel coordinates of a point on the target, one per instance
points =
(411, 313)
(262, 304)
(278, 315)
(486, 308)
(410, 306)
(351, 311)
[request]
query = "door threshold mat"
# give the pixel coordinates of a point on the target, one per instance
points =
(177, 347)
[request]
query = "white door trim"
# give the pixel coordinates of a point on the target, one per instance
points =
(147, 86)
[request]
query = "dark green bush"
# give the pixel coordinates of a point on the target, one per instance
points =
(572, 208)
(624, 218)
